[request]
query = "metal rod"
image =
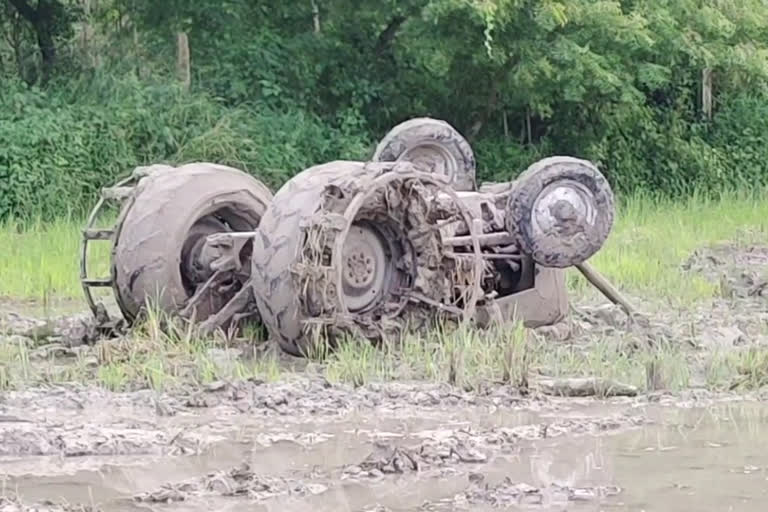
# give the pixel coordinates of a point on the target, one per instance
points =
(485, 256)
(484, 239)
(606, 288)
(232, 235)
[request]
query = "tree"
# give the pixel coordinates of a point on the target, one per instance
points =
(49, 19)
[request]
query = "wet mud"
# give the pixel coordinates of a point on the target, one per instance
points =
(374, 450)
(304, 443)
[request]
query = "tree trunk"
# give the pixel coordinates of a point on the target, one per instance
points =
(316, 16)
(87, 36)
(42, 21)
(706, 93)
(387, 36)
(47, 52)
(183, 65)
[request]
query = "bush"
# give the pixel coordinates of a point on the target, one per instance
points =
(57, 149)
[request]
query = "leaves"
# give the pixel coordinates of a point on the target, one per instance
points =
(613, 80)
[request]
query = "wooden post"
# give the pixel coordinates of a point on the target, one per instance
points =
(87, 34)
(706, 93)
(183, 65)
(316, 16)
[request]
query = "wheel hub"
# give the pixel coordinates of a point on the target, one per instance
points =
(194, 271)
(366, 267)
(432, 157)
(563, 208)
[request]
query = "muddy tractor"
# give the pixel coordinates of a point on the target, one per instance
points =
(346, 248)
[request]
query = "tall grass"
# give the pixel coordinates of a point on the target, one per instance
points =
(40, 260)
(653, 237)
(160, 353)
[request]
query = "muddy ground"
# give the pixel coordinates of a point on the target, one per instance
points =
(303, 443)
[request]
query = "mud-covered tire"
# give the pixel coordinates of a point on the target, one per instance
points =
(560, 211)
(154, 225)
(277, 247)
(440, 140)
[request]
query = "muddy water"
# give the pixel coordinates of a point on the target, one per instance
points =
(571, 456)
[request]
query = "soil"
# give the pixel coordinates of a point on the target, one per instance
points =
(303, 443)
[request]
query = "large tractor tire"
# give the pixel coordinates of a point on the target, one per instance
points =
(560, 211)
(170, 214)
(339, 250)
(434, 145)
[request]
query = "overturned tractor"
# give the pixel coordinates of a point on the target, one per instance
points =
(367, 249)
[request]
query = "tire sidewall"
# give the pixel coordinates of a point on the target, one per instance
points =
(525, 193)
(422, 131)
(219, 186)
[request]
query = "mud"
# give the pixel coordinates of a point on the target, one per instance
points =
(371, 448)
(304, 443)
(742, 271)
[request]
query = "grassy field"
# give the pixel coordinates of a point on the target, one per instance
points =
(651, 239)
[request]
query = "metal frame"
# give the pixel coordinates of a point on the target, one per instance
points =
(120, 192)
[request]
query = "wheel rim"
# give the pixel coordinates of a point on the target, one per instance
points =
(368, 267)
(565, 207)
(194, 275)
(434, 157)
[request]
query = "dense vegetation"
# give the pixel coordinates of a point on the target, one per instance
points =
(91, 88)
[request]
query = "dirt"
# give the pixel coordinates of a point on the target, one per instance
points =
(742, 271)
(737, 317)
(303, 443)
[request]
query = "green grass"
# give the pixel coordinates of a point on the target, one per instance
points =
(41, 261)
(159, 354)
(652, 238)
(472, 359)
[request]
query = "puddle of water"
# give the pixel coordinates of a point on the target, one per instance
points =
(706, 460)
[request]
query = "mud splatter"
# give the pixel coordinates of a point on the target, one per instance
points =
(740, 271)
(49, 438)
(238, 482)
(509, 493)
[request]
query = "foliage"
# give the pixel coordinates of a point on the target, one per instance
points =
(277, 87)
(56, 153)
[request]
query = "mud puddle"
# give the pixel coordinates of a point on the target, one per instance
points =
(560, 455)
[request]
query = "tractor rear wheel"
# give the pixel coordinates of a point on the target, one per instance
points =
(164, 225)
(343, 248)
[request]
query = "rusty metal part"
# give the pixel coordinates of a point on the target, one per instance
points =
(223, 251)
(545, 303)
(484, 239)
(90, 234)
(220, 260)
